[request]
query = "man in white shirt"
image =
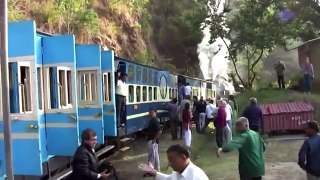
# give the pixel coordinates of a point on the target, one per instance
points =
(121, 94)
(184, 169)
(187, 90)
(210, 110)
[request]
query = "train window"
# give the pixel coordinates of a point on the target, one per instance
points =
(155, 93)
(176, 93)
(88, 86)
(145, 76)
(107, 87)
(40, 91)
(65, 88)
(150, 77)
(131, 94)
(130, 73)
(138, 74)
(214, 94)
(138, 94)
(195, 92)
(170, 93)
(150, 93)
(25, 89)
(144, 93)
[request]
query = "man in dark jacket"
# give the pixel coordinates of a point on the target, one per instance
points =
(85, 163)
(254, 114)
(309, 155)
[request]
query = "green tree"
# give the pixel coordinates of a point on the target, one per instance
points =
(253, 30)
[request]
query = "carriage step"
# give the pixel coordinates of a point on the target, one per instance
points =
(124, 140)
(63, 174)
(104, 150)
(124, 149)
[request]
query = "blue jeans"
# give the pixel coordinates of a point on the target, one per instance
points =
(308, 82)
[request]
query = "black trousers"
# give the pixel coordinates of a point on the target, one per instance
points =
(120, 109)
(281, 82)
(174, 127)
(219, 134)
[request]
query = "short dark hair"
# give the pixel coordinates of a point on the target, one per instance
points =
(153, 109)
(87, 134)
(174, 100)
(313, 125)
(178, 149)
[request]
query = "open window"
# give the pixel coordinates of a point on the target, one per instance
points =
(87, 81)
(138, 94)
(107, 87)
(59, 87)
(170, 93)
(20, 87)
(144, 94)
(131, 94)
(40, 89)
(155, 93)
(150, 93)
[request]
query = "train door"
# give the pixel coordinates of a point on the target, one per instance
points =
(108, 81)
(163, 94)
(60, 98)
(90, 89)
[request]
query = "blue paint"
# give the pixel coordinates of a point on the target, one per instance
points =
(19, 126)
(109, 121)
(59, 49)
(26, 157)
(54, 99)
(21, 38)
(89, 56)
(14, 88)
(2, 155)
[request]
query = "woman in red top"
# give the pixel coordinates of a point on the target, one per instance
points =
(186, 124)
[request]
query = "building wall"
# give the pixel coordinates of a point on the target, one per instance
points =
(313, 50)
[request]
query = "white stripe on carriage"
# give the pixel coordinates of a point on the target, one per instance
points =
(89, 118)
(134, 116)
(22, 58)
(59, 125)
(22, 136)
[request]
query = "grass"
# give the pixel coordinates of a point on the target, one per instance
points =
(279, 96)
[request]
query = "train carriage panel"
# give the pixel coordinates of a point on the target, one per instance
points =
(108, 82)
(90, 89)
(25, 126)
(60, 97)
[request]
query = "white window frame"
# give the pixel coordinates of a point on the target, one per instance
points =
(94, 102)
(148, 90)
(134, 94)
(46, 91)
(146, 100)
(40, 87)
(31, 87)
(106, 87)
(70, 104)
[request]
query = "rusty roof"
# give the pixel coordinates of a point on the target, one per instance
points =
(293, 107)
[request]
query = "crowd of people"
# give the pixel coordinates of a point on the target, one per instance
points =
(244, 137)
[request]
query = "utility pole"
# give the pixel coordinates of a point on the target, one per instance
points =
(5, 85)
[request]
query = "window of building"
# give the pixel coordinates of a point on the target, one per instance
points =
(155, 93)
(107, 87)
(131, 73)
(144, 93)
(88, 86)
(138, 74)
(131, 94)
(138, 94)
(40, 90)
(145, 76)
(20, 87)
(150, 93)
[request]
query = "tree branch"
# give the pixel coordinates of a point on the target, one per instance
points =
(257, 60)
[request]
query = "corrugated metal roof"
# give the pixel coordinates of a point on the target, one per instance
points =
(286, 108)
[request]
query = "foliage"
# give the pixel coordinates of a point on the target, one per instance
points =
(15, 12)
(144, 57)
(253, 30)
(176, 29)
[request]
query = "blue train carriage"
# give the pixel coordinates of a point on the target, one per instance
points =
(42, 106)
(148, 87)
(2, 148)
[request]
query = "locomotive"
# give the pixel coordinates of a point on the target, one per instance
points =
(59, 88)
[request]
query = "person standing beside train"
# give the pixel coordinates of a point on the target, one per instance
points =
(187, 91)
(153, 134)
(186, 124)
(172, 108)
(181, 108)
(121, 94)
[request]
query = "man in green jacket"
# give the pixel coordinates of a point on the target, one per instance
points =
(251, 151)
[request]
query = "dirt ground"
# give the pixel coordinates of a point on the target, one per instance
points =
(281, 157)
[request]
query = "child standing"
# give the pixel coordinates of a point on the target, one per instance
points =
(186, 123)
